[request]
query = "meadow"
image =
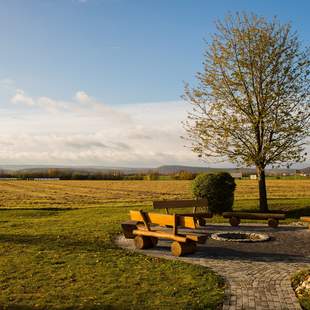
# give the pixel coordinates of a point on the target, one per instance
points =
(57, 251)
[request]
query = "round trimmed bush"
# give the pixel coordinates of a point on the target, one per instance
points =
(218, 189)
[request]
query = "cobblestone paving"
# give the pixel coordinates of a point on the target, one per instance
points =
(257, 274)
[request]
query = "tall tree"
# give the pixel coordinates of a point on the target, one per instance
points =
(251, 104)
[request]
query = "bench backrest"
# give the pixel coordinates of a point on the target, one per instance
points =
(166, 204)
(163, 219)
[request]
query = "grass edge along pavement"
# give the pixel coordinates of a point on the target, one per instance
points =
(67, 260)
(304, 295)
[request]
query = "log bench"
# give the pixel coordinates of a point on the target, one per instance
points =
(272, 218)
(306, 219)
(146, 228)
(199, 217)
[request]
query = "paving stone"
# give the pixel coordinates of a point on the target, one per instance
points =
(258, 274)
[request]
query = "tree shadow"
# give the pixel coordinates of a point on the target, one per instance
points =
(84, 307)
(53, 242)
(38, 209)
(255, 256)
(228, 254)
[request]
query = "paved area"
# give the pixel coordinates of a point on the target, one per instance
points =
(257, 274)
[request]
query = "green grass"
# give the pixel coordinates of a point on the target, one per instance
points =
(57, 251)
(67, 260)
(297, 279)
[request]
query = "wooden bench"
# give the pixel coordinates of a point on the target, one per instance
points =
(306, 219)
(235, 217)
(146, 228)
(194, 204)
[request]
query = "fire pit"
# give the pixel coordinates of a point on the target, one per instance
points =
(240, 236)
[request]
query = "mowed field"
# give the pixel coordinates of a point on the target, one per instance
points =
(57, 249)
(282, 194)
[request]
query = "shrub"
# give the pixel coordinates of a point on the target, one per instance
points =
(218, 189)
(184, 175)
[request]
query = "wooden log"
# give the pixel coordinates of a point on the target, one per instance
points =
(254, 216)
(143, 242)
(272, 222)
(305, 218)
(160, 235)
(234, 221)
(180, 248)
(199, 238)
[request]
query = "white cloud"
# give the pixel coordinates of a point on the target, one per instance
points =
(81, 96)
(7, 83)
(86, 131)
(21, 98)
(82, 104)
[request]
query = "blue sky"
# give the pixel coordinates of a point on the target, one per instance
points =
(78, 78)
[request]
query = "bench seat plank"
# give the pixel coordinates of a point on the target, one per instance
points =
(199, 238)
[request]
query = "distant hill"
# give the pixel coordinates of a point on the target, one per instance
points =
(165, 169)
(170, 169)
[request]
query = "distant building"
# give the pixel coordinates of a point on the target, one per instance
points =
(253, 177)
(303, 172)
(236, 175)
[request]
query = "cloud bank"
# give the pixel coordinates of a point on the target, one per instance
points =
(85, 131)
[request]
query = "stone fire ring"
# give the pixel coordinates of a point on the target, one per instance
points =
(235, 236)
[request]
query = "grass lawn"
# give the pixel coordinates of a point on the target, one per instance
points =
(304, 295)
(66, 260)
(57, 251)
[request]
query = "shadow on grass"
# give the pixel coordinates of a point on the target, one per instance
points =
(53, 242)
(85, 307)
(38, 209)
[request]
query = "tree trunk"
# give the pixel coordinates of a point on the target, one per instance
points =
(263, 205)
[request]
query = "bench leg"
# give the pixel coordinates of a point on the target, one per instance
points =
(154, 241)
(273, 223)
(143, 242)
(234, 221)
(182, 248)
(202, 221)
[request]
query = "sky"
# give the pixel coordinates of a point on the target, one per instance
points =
(99, 82)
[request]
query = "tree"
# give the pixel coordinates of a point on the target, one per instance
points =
(251, 104)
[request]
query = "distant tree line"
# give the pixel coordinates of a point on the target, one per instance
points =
(73, 174)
